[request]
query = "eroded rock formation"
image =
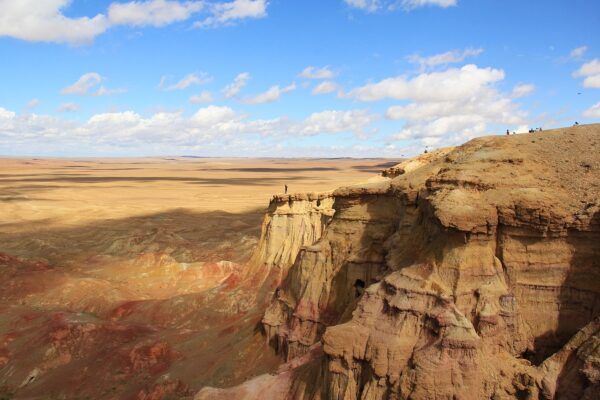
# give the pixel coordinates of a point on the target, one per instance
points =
(291, 222)
(473, 273)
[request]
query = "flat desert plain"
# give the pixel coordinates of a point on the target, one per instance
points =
(118, 274)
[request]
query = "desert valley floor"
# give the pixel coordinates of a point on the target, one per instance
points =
(109, 267)
(468, 273)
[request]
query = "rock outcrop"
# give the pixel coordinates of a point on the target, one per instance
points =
(291, 222)
(474, 273)
(328, 276)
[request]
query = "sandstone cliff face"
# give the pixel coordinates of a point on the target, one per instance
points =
(574, 371)
(291, 222)
(495, 269)
(479, 265)
(329, 275)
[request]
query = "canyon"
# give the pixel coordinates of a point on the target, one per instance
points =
(470, 272)
(129, 278)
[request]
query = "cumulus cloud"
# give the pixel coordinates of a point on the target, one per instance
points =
(325, 88)
(317, 73)
(449, 106)
(379, 5)
(452, 84)
(155, 13)
(591, 73)
(86, 86)
(68, 107)
(355, 121)
(593, 111)
(522, 90)
(234, 88)
(271, 95)
(449, 57)
(209, 127)
(28, 130)
(203, 97)
(185, 82)
(44, 20)
(233, 11)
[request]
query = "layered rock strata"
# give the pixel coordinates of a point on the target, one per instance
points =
(473, 274)
(328, 276)
(291, 222)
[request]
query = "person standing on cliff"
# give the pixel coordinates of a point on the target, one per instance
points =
(285, 186)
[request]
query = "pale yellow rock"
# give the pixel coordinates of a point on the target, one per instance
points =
(457, 278)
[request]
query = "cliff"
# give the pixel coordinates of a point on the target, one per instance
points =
(291, 222)
(473, 273)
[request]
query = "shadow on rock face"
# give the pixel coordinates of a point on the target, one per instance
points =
(580, 378)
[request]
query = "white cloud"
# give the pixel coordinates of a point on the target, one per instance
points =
(185, 82)
(213, 115)
(271, 95)
(212, 127)
(367, 5)
(87, 82)
(238, 84)
(447, 107)
(152, 12)
(591, 72)
(589, 69)
(230, 12)
(29, 130)
(578, 52)
(44, 20)
(522, 90)
(378, 5)
(33, 103)
(6, 117)
(317, 73)
(203, 97)
(452, 84)
(68, 107)
(102, 91)
(522, 129)
(355, 121)
(593, 111)
(84, 84)
(325, 87)
(449, 57)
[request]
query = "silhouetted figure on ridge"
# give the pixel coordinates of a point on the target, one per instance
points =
(285, 186)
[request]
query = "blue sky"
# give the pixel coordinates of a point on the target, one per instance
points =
(273, 78)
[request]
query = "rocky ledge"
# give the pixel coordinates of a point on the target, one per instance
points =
(474, 272)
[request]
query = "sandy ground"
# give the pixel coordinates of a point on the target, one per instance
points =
(118, 274)
(86, 190)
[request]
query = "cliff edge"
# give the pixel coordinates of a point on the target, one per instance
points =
(473, 272)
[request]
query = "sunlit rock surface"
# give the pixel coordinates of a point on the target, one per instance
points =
(473, 273)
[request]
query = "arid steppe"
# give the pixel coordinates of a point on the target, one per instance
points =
(113, 271)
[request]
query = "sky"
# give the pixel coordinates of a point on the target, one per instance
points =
(289, 78)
